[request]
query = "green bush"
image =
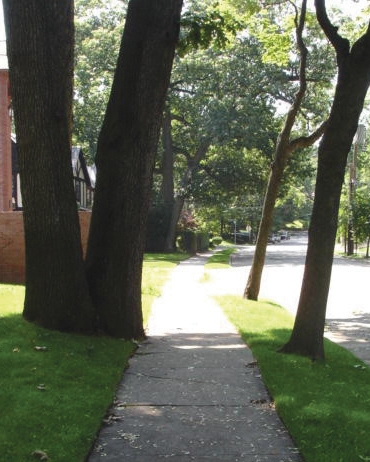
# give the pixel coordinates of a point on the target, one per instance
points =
(191, 241)
(202, 240)
(187, 241)
(216, 240)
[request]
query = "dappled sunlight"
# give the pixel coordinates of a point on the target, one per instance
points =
(217, 347)
(352, 333)
(11, 299)
(149, 411)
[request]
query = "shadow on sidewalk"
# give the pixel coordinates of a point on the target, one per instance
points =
(351, 333)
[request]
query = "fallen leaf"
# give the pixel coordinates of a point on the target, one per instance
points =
(40, 348)
(251, 364)
(41, 387)
(16, 350)
(112, 418)
(40, 455)
(359, 366)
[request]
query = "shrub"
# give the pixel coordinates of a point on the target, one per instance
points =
(216, 240)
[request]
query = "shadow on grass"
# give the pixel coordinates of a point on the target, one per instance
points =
(14, 327)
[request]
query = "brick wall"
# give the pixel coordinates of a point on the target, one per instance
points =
(12, 253)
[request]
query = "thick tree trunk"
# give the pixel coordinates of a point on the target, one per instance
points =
(353, 83)
(307, 335)
(125, 160)
(40, 39)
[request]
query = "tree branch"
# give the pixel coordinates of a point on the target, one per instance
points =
(201, 151)
(179, 119)
(183, 152)
(293, 111)
(340, 44)
(305, 141)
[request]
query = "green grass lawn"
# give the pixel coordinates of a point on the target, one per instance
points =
(324, 405)
(55, 388)
(220, 259)
(156, 270)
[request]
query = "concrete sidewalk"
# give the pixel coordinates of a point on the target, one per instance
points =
(193, 391)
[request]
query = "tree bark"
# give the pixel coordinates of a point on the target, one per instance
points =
(161, 213)
(167, 187)
(170, 243)
(252, 288)
(40, 40)
(353, 83)
(125, 161)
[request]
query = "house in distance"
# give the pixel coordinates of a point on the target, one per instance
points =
(10, 189)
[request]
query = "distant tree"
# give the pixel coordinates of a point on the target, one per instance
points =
(99, 25)
(361, 215)
(352, 85)
(216, 104)
(229, 186)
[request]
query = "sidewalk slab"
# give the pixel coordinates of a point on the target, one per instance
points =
(193, 391)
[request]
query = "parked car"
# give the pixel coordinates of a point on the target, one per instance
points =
(273, 239)
(284, 235)
(242, 237)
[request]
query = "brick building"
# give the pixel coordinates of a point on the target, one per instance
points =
(12, 251)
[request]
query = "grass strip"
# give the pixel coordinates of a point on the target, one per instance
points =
(55, 388)
(156, 270)
(220, 259)
(324, 405)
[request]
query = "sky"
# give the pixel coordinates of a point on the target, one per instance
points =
(2, 28)
(348, 6)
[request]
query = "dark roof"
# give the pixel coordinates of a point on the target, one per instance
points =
(88, 170)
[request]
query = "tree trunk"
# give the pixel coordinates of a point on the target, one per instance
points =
(178, 203)
(307, 335)
(252, 288)
(40, 39)
(125, 161)
(284, 149)
(161, 214)
(167, 187)
(170, 243)
(172, 205)
(353, 82)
